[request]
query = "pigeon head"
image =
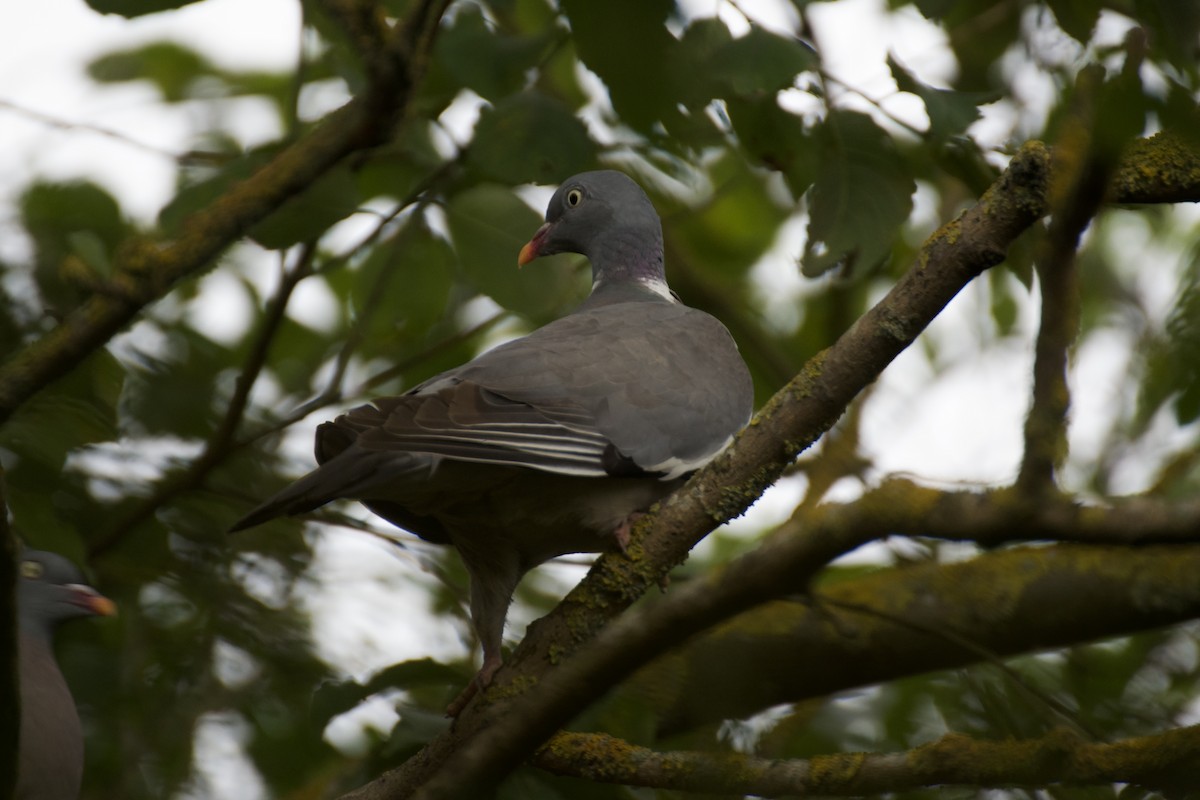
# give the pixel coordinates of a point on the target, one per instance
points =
(52, 590)
(607, 217)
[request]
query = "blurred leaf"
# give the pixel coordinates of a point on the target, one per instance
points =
(173, 68)
(398, 168)
(79, 408)
(489, 225)
(1076, 17)
(634, 71)
(304, 217)
(529, 138)
(337, 697)
(728, 234)
(402, 289)
(490, 62)
(776, 138)
(692, 69)
(77, 218)
(950, 112)
(861, 196)
(152, 402)
(761, 61)
(136, 8)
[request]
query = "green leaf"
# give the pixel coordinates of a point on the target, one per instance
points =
(761, 61)
(489, 225)
(950, 112)
(136, 8)
(402, 289)
(398, 168)
(861, 196)
(64, 219)
(1077, 17)
(626, 43)
(79, 408)
(530, 138)
(697, 83)
(733, 229)
(776, 138)
(171, 67)
(329, 199)
(490, 62)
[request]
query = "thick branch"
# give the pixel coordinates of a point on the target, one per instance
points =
(910, 620)
(1163, 762)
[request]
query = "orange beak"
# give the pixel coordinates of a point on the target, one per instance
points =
(93, 601)
(533, 248)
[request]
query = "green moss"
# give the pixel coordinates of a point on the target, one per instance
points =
(834, 772)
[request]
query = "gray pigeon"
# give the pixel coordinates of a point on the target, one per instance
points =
(555, 442)
(50, 758)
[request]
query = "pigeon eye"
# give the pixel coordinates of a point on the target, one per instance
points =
(31, 569)
(574, 197)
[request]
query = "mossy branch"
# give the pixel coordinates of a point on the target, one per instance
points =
(914, 619)
(1163, 762)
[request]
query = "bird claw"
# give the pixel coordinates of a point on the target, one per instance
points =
(482, 679)
(624, 531)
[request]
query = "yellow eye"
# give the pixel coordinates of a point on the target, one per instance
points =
(31, 569)
(574, 197)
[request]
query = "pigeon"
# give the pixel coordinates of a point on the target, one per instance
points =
(50, 590)
(556, 442)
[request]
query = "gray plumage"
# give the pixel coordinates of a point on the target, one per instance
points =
(548, 444)
(50, 590)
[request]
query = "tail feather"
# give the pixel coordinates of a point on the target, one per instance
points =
(353, 473)
(302, 496)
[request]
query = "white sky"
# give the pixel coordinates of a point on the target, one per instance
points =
(960, 426)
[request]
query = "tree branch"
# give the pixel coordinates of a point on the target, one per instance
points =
(915, 619)
(1081, 176)
(489, 740)
(145, 271)
(1163, 762)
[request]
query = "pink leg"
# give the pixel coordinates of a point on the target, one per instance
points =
(625, 530)
(491, 664)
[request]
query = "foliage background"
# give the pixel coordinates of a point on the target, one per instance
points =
(792, 199)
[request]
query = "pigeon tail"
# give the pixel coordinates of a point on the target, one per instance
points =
(352, 473)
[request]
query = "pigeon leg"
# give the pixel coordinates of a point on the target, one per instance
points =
(625, 530)
(494, 577)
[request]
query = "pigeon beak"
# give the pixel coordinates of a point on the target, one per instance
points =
(533, 249)
(88, 598)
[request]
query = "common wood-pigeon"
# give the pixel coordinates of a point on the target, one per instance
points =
(552, 443)
(50, 590)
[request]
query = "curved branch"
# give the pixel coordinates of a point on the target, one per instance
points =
(1162, 762)
(490, 740)
(915, 619)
